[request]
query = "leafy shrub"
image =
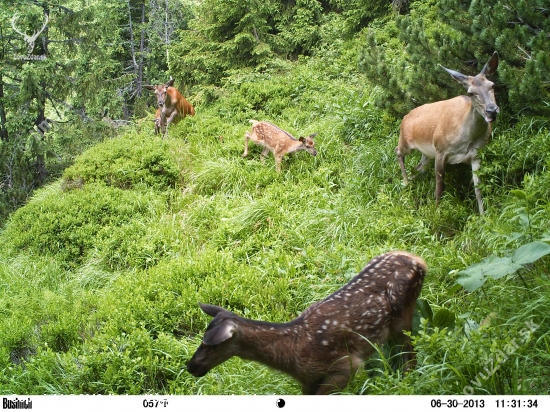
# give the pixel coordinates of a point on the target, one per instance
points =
(126, 162)
(402, 53)
(514, 151)
(72, 224)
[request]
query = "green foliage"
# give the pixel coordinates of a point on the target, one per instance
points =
(443, 318)
(238, 34)
(531, 219)
(402, 54)
(513, 151)
(100, 281)
(16, 176)
(126, 162)
(77, 75)
(358, 13)
(475, 276)
(69, 226)
(228, 35)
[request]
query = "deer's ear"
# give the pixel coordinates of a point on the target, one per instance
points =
(491, 66)
(302, 139)
(170, 82)
(149, 87)
(459, 77)
(211, 310)
(219, 333)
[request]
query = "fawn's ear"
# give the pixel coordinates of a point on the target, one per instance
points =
(212, 310)
(219, 333)
(149, 87)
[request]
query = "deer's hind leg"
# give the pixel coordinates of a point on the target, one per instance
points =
(401, 153)
(439, 176)
(421, 166)
(339, 375)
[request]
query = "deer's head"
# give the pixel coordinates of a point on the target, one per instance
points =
(480, 89)
(161, 91)
(218, 343)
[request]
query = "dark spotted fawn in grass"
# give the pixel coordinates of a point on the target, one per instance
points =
(277, 141)
(324, 346)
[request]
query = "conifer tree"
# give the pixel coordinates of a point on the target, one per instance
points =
(402, 55)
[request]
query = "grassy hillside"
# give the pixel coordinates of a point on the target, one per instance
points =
(101, 272)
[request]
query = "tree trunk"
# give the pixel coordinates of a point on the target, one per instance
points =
(3, 121)
(166, 35)
(41, 123)
(40, 165)
(139, 85)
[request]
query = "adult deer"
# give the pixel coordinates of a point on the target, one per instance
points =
(173, 106)
(324, 346)
(452, 131)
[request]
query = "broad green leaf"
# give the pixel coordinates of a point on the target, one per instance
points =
(454, 289)
(474, 276)
(472, 282)
(530, 252)
(444, 318)
(493, 266)
(424, 309)
(520, 194)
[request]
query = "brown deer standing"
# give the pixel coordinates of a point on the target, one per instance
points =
(452, 131)
(324, 346)
(172, 106)
(278, 141)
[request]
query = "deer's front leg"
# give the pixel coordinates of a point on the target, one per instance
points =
(169, 120)
(439, 176)
(338, 375)
(246, 139)
(162, 122)
(475, 167)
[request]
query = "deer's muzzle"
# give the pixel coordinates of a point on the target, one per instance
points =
(491, 113)
(196, 369)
